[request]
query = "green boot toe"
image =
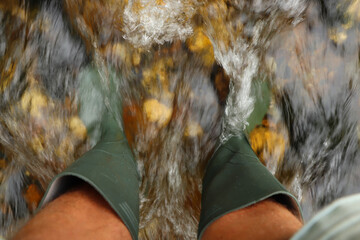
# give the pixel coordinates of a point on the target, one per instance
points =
(111, 169)
(235, 179)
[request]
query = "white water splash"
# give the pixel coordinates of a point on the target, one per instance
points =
(158, 23)
(241, 63)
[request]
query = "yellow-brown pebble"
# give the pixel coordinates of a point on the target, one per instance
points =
(33, 196)
(193, 129)
(201, 44)
(37, 144)
(66, 146)
(38, 102)
(157, 112)
(33, 100)
(77, 127)
(264, 139)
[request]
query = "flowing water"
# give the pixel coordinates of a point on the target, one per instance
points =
(179, 76)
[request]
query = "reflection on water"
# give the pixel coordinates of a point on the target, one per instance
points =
(187, 73)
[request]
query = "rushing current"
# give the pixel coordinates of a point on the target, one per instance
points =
(179, 76)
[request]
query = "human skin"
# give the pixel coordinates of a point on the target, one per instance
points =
(81, 213)
(264, 220)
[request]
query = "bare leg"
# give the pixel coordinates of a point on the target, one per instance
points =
(264, 220)
(81, 213)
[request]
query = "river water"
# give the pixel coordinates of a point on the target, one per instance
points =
(179, 76)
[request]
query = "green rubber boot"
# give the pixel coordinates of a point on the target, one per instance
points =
(111, 169)
(235, 179)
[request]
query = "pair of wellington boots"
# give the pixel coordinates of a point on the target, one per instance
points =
(234, 179)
